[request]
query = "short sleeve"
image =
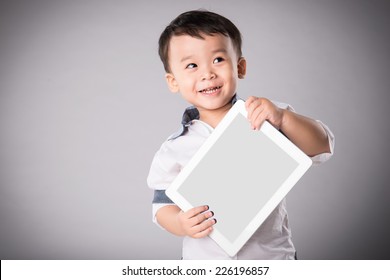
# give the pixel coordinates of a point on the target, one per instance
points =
(163, 171)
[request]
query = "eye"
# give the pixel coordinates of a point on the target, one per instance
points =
(218, 59)
(191, 66)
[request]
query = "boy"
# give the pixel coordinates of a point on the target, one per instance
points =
(201, 53)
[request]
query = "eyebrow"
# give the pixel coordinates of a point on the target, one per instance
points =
(186, 58)
(220, 51)
(214, 51)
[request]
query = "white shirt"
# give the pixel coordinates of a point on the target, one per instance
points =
(272, 240)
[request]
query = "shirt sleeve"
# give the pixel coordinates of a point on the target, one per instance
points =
(320, 158)
(163, 171)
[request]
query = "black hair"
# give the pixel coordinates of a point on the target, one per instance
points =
(195, 23)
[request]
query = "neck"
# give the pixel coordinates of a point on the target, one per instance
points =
(213, 117)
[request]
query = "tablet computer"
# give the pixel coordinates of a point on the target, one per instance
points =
(242, 174)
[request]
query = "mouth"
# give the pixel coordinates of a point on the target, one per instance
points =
(210, 90)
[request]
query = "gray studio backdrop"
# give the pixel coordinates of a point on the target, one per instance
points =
(84, 107)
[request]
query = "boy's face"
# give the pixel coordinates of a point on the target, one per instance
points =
(205, 71)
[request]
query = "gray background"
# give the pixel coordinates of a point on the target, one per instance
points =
(84, 106)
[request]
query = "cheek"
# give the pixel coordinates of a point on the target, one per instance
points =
(187, 82)
(230, 71)
(231, 74)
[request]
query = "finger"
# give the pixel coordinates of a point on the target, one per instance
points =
(253, 106)
(257, 112)
(204, 229)
(249, 101)
(200, 218)
(195, 211)
(259, 120)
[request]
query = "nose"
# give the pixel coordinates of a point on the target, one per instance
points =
(208, 75)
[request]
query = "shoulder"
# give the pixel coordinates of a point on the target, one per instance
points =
(166, 154)
(172, 149)
(164, 166)
(179, 149)
(171, 157)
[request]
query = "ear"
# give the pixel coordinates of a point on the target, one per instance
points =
(241, 68)
(172, 83)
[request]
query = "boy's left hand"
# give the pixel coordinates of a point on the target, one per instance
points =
(261, 109)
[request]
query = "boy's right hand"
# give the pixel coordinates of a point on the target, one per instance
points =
(196, 222)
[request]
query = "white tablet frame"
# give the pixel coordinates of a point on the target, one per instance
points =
(303, 161)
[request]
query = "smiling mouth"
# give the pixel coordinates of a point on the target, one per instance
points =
(210, 90)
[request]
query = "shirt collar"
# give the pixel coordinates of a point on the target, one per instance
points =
(190, 114)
